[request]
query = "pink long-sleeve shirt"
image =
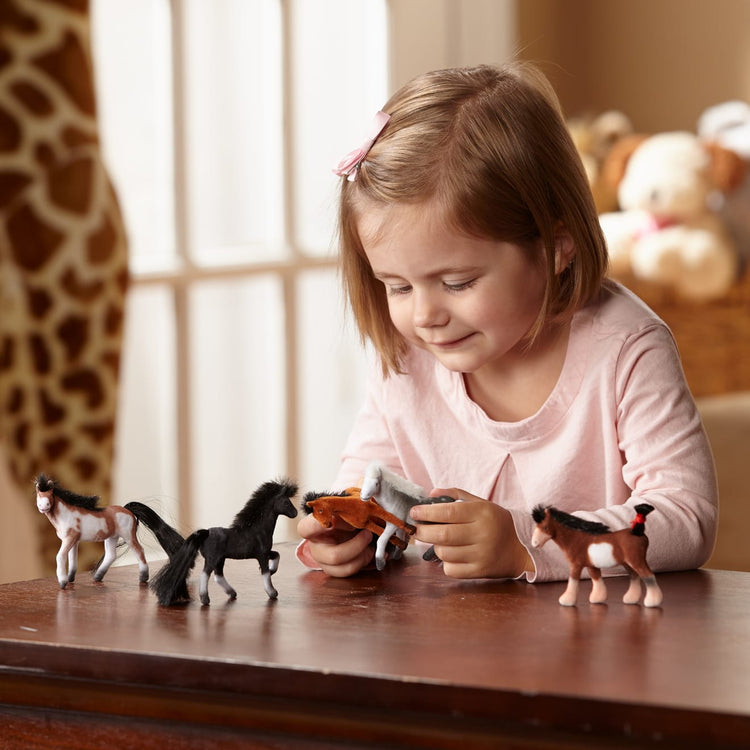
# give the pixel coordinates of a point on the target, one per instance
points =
(619, 428)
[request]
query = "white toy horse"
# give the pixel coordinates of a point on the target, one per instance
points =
(398, 496)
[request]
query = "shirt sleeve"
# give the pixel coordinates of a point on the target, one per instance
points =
(666, 458)
(662, 457)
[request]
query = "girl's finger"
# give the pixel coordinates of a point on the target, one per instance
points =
(336, 549)
(457, 512)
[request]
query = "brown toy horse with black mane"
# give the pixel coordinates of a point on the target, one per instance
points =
(79, 518)
(592, 545)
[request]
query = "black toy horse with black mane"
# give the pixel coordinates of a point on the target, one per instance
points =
(249, 536)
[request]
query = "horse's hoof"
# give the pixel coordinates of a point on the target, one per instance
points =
(143, 578)
(653, 601)
(565, 602)
(205, 601)
(63, 582)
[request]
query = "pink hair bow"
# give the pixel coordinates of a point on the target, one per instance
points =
(349, 165)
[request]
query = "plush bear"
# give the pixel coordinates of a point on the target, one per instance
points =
(666, 231)
(594, 137)
(728, 124)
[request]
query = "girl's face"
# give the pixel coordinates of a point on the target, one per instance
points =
(468, 301)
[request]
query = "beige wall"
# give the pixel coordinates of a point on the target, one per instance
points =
(661, 61)
(429, 34)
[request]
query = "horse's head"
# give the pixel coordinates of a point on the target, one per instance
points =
(372, 482)
(543, 531)
(45, 489)
(321, 510)
(283, 504)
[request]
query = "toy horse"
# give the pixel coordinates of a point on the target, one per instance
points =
(349, 507)
(592, 545)
(398, 496)
(78, 518)
(249, 536)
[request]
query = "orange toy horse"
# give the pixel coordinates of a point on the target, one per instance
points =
(592, 545)
(350, 507)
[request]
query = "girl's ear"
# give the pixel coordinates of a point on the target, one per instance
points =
(565, 250)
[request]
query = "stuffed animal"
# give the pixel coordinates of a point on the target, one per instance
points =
(594, 137)
(666, 231)
(728, 124)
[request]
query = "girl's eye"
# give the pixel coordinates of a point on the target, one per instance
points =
(396, 290)
(459, 286)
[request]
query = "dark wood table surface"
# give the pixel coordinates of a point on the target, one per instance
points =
(406, 657)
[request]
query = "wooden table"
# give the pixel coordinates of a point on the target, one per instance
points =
(406, 657)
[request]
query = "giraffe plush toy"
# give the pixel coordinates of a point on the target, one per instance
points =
(63, 254)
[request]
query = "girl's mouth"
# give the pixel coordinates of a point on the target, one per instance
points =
(453, 344)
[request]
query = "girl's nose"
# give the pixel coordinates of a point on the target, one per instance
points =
(428, 310)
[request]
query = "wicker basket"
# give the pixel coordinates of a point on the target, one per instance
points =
(713, 337)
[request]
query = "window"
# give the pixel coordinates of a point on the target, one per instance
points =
(220, 124)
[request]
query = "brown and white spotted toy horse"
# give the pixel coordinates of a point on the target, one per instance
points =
(78, 518)
(63, 253)
(592, 545)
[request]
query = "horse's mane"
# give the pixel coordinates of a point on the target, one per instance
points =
(259, 501)
(87, 502)
(311, 496)
(398, 482)
(574, 522)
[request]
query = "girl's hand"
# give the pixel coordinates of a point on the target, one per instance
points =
(474, 538)
(341, 551)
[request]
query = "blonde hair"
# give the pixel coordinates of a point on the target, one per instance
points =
(489, 145)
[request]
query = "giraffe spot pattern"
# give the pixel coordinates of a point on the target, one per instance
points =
(33, 241)
(73, 137)
(52, 413)
(56, 448)
(10, 132)
(12, 17)
(86, 382)
(39, 302)
(73, 332)
(44, 155)
(67, 65)
(16, 400)
(40, 354)
(12, 184)
(78, 289)
(7, 353)
(65, 261)
(101, 244)
(70, 185)
(33, 99)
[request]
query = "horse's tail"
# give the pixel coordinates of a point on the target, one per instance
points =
(638, 524)
(170, 539)
(170, 583)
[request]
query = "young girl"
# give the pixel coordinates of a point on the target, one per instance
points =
(510, 370)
